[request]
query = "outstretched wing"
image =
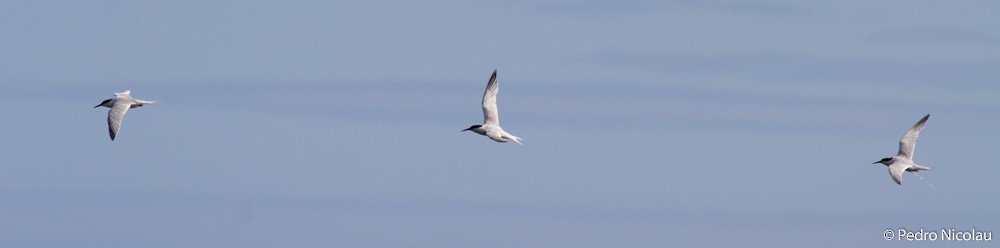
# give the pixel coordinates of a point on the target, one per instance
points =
(115, 116)
(495, 136)
(896, 171)
(490, 113)
(909, 140)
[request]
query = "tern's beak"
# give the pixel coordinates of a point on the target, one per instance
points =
(463, 130)
(877, 162)
(97, 106)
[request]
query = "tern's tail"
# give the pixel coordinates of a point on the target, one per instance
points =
(515, 139)
(920, 168)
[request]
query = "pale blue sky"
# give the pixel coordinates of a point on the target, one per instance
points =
(646, 123)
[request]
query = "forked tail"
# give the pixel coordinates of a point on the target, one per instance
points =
(515, 139)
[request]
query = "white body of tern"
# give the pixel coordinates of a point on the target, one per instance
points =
(491, 117)
(122, 102)
(903, 161)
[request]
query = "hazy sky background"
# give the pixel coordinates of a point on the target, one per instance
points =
(646, 123)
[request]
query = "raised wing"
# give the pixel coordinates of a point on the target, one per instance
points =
(126, 93)
(896, 171)
(115, 116)
(909, 140)
(490, 113)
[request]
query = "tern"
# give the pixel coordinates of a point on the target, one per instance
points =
(903, 161)
(119, 105)
(491, 118)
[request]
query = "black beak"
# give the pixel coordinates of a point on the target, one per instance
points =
(463, 130)
(877, 162)
(103, 102)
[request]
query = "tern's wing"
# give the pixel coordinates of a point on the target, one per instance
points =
(125, 93)
(490, 113)
(495, 135)
(115, 116)
(896, 171)
(909, 140)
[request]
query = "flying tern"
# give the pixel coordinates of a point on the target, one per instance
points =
(903, 161)
(491, 119)
(122, 102)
